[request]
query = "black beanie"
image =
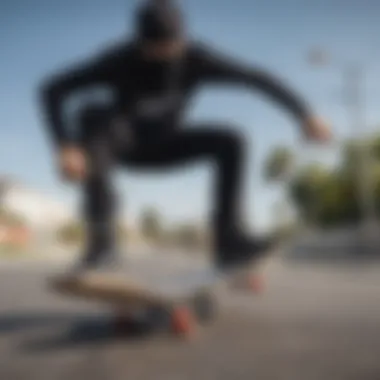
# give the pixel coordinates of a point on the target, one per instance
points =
(159, 20)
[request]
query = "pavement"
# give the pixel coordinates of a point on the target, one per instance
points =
(315, 321)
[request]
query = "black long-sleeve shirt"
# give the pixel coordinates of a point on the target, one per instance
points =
(155, 93)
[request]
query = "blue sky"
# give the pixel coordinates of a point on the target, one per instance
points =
(41, 36)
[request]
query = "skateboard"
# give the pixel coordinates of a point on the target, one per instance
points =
(131, 301)
(177, 300)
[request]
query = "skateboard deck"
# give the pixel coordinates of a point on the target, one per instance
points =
(130, 291)
(174, 293)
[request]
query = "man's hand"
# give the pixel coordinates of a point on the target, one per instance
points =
(317, 130)
(73, 163)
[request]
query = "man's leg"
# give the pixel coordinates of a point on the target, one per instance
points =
(99, 197)
(225, 148)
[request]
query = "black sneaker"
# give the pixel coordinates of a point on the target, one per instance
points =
(240, 251)
(101, 263)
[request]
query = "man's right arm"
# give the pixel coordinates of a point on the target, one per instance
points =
(57, 88)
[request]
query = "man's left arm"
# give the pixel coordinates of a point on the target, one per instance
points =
(215, 68)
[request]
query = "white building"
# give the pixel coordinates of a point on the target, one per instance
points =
(38, 210)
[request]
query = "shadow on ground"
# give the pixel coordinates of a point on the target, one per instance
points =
(59, 331)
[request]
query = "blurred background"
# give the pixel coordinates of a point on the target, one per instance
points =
(320, 313)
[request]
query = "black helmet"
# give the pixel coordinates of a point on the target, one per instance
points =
(159, 20)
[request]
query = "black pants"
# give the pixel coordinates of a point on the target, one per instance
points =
(108, 144)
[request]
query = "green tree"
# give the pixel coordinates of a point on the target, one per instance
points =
(328, 196)
(310, 189)
(375, 147)
(279, 167)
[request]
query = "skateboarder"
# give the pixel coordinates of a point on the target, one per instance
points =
(151, 78)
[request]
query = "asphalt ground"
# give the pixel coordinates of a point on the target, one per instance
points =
(314, 321)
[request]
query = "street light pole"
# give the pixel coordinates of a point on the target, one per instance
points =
(354, 74)
(354, 79)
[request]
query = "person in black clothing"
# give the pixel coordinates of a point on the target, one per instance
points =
(152, 78)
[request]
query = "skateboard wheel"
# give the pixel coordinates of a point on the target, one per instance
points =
(124, 323)
(256, 284)
(182, 321)
(205, 307)
(158, 317)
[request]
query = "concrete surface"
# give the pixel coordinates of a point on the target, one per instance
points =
(314, 322)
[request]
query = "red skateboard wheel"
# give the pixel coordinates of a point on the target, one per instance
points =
(183, 322)
(256, 284)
